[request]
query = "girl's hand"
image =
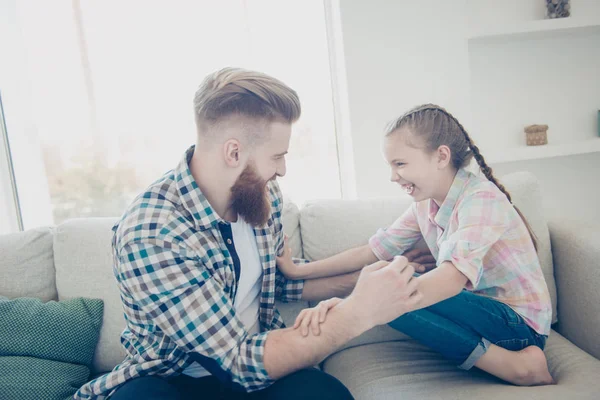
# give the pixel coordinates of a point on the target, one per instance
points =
(421, 260)
(315, 316)
(286, 264)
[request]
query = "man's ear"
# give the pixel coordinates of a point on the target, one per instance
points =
(231, 153)
(444, 156)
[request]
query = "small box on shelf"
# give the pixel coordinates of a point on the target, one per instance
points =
(536, 135)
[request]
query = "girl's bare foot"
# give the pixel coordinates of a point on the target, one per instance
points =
(531, 368)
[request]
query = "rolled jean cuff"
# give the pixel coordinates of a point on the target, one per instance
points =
(476, 354)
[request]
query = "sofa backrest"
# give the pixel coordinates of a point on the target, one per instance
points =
(27, 264)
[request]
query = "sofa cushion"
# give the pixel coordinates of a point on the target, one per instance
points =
(27, 265)
(409, 370)
(332, 226)
(24, 378)
(329, 227)
(46, 348)
(83, 259)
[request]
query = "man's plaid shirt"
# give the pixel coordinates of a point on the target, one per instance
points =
(177, 284)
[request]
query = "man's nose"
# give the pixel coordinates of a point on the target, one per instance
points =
(281, 170)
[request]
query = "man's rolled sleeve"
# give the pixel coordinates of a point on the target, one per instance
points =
(286, 289)
(190, 306)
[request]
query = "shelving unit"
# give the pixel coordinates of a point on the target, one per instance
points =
(540, 28)
(545, 151)
(535, 72)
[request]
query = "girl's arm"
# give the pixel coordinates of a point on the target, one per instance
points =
(342, 263)
(440, 284)
(384, 245)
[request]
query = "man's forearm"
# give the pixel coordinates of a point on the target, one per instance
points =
(326, 288)
(287, 351)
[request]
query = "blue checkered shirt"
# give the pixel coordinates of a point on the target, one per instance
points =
(177, 284)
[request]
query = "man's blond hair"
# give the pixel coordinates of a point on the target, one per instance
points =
(239, 92)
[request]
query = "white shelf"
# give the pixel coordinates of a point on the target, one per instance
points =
(544, 151)
(539, 28)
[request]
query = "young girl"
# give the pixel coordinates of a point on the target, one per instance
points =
(486, 304)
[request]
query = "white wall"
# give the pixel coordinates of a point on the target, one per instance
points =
(571, 184)
(400, 54)
(406, 52)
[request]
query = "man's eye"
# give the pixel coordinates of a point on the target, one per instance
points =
(399, 164)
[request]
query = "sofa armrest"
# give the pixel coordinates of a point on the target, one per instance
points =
(576, 254)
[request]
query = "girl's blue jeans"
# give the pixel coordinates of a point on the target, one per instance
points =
(462, 328)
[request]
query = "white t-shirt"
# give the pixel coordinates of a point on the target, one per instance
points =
(247, 298)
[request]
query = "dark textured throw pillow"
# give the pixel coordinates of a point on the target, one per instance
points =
(46, 349)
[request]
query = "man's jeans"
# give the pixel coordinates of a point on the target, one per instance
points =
(462, 327)
(304, 384)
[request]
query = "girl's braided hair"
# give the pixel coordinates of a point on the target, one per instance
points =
(438, 127)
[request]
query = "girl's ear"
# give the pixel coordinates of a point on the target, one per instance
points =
(444, 156)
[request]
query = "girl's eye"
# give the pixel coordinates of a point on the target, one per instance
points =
(399, 164)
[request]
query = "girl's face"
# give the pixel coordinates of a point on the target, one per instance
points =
(420, 173)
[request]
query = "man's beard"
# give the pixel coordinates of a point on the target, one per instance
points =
(249, 197)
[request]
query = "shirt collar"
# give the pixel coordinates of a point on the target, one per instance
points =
(441, 215)
(192, 198)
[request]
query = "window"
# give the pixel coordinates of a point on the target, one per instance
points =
(111, 86)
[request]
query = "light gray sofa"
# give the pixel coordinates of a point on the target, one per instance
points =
(74, 259)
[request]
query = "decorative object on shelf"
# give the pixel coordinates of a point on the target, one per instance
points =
(558, 8)
(536, 135)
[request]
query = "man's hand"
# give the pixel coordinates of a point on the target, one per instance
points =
(384, 292)
(421, 259)
(313, 317)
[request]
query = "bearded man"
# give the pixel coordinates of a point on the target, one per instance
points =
(195, 262)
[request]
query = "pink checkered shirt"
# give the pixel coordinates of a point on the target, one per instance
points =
(480, 232)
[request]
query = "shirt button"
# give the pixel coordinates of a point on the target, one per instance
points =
(228, 241)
